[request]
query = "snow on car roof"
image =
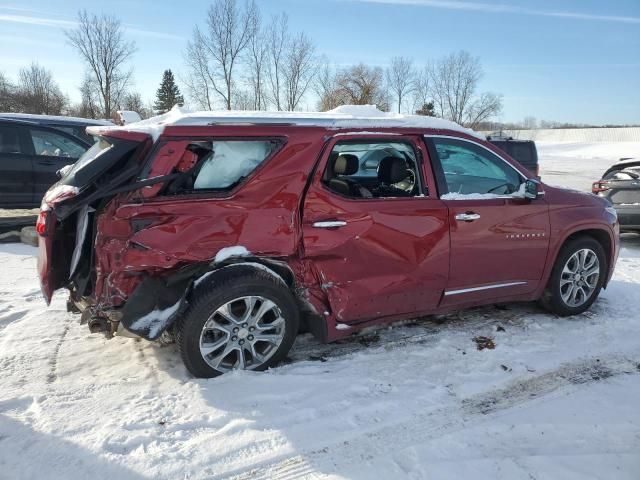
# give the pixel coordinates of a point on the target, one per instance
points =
(346, 116)
(55, 118)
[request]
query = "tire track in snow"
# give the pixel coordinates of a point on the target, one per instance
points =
(391, 438)
(52, 376)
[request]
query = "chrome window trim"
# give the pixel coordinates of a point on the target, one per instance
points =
(485, 287)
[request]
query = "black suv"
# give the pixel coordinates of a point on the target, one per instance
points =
(72, 125)
(523, 151)
(30, 156)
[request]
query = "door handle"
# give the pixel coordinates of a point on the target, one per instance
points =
(329, 224)
(467, 217)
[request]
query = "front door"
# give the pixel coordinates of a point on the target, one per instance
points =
(499, 239)
(375, 233)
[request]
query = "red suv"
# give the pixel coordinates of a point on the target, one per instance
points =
(236, 232)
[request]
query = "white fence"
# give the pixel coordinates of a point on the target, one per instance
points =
(622, 134)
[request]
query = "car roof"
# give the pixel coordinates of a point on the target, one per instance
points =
(345, 117)
(47, 127)
(53, 119)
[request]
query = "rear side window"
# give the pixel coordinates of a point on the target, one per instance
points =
(229, 162)
(630, 173)
(53, 145)
(9, 140)
(221, 165)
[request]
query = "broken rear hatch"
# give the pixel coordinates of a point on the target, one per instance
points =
(65, 222)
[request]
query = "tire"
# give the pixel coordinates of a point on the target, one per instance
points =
(557, 295)
(221, 304)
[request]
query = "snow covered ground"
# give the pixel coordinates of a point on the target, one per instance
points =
(555, 399)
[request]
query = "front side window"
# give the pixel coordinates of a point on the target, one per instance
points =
(470, 169)
(220, 165)
(54, 145)
(372, 170)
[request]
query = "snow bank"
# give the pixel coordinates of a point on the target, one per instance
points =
(346, 116)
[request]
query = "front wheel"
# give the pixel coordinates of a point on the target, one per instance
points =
(577, 277)
(244, 320)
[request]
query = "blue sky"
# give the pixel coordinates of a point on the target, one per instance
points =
(564, 60)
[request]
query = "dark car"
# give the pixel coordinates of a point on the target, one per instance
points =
(233, 231)
(30, 156)
(620, 184)
(522, 151)
(72, 125)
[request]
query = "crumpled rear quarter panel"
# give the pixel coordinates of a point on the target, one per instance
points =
(156, 235)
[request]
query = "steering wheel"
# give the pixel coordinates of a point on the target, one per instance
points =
(408, 183)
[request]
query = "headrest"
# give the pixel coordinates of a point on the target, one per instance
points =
(346, 164)
(392, 170)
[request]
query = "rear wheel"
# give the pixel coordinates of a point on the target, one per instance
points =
(577, 277)
(245, 320)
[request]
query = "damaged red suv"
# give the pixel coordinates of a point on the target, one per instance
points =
(235, 232)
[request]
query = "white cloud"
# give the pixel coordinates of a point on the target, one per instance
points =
(50, 22)
(502, 8)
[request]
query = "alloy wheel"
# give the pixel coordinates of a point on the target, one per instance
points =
(579, 277)
(243, 333)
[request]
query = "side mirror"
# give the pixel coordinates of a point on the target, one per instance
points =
(531, 189)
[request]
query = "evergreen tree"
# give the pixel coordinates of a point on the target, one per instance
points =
(427, 110)
(168, 95)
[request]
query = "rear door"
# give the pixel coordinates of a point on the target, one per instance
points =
(52, 150)
(499, 240)
(16, 178)
(378, 246)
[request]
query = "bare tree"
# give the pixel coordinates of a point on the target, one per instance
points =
(8, 100)
(201, 80)
(257, 64)
(38, 93)
(299, 70)
(277, 37)
(89, 103)
(213, 55)
(132, 101)
(326, 87)
(362, 85)
(487, 105)
(356, 85)
(400, 78)
(454, 81)
(421, 92)
(100, 42)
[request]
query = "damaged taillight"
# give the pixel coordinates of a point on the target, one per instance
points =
(54, 196)
(600, 186)
(41, 224)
